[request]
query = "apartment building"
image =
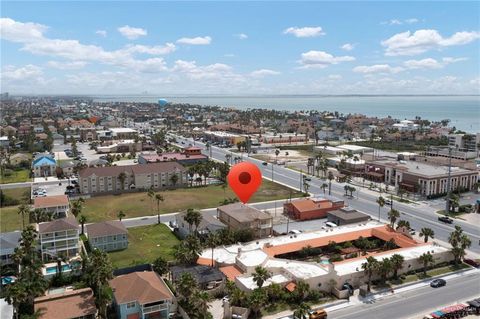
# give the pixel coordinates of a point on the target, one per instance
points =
(116, 179)
(420, 177)
(59, 238)
(239, 216)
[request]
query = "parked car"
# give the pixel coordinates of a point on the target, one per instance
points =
(318, 314)
(330, 224)
(438, 283)
(295, 231)
(264, 163)
(445, 219)
(472, 262)
(388, 202)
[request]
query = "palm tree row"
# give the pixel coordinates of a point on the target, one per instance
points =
(460, 242)
(382, 268)
(203, 170)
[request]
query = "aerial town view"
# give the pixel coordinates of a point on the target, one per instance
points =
(218, 160)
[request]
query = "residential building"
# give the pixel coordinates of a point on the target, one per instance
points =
(107, 236)
(44, 165)
(190, 155)
(57, 205)
(17, 158)
(462, 146)
(59, 238)
(238, 216)
(312, 208)
(70, 304)
(208, 278)
(8, 242)
(406, 125)
(208, 224)
(142, 295)
(347, 215)
(101, 180)
(420, 177)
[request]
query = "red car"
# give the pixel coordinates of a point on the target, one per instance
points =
(472, 262)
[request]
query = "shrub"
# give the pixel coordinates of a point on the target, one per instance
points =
(335, 257)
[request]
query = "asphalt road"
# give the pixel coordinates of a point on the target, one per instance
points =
(415, 303)
(418, 216)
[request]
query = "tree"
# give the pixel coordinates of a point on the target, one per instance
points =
(187, 251)
(158, 198)
(122, 177)
(185, 284)
(76, 207)
(151, 195)
(213, 240)
(258, 298)
(260, 276)
(83, 220)
(193, 217)
(403, 223)
(426, 233)
(200, 305)
(324, 186)
(121, 215)
(330, 178)
(426, 259)
(160, 266)
(98, 272)
(393, 215)
(302, 311)
(23, 210)
(397, 264)
(370, 266)
(381, 203)
(174, 179)
(460, 242)
(384, 267)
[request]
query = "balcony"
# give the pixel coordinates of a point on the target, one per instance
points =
(155, 308)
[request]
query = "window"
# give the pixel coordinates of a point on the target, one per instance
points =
(131, 305)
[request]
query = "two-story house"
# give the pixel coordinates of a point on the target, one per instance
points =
(107, 236)
(59, 238)
(57, 205)
(142, 295)
(240, 216)
(44, 166)
(8, 242)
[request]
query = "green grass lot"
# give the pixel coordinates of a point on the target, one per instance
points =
(16, 177)
(139, 204)
(9, 219)
(145, 244)
(17, 193)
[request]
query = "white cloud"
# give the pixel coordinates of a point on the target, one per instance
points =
(334, 77)
(377, 68)
(430, 63)
(263, 72)
(15, 31)
(195, 41)
(305, 32)
(153, 50)
(412, 20)
(132, 33)
(74, 65)
(400, 22)
(321, 59)
(348, 46)
(449, 60)
(26, 72)
(407, 43)
(101, 33)
(241, 36)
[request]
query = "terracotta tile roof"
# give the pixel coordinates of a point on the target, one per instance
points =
(231, 272)
(205, 261)
(291, 286)
(67, 305)
(50, 201)
(58, 225)
(144, 287)
(108, 228)
(131, 169)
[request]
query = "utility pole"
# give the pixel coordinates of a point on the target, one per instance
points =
(447, 202)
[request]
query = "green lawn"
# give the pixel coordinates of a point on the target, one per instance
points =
(16, 177)
(18, 193)
(9, 219)
(145, 244)
(139, 204)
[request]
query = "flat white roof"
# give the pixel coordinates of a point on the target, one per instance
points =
(122, 130)
(329, 148)
(347, 160)
(350, 147)
(250, 284)
(253, 258)
(221, 133)
(345, 268)
(298, 269)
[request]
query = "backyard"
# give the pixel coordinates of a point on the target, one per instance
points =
(145, 244)
(139, 204)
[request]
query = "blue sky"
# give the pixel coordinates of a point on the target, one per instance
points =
(240, 48)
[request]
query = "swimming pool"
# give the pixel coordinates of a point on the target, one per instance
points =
(8, 280)
(53, 269)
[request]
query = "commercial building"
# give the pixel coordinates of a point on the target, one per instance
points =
(420, 177)
(44, 165)
(119, 146)
(142, 295)
(115, 179)
(347, 215)
(56, 205)
(189, 156)
(223, 137)
(239, 216)
(107, 236)
(283, 138)
(70, 304)
(59, 238)
(312, 208)
(462, 146)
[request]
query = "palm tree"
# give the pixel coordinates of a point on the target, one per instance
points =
(426, 259)
(37, 215)
(397, 264)
(277, 152)
(260, 276)
(122, 177)
(324, 186)
(426, 233)
(459, 242)
(258, 298)
(302, 289)
(98, 272)
(381, 203)
(330, 178)
(185, 284)
(193, 217)
(302, 311)
(403, 223)
(76, 207)
(23, 210)
(83, 220)
(346, 188)
(384, 268)
(200, 301)
(370, 267)
(212, 241)
(16, 294)
(187, 251)
(159, 198)
(120, 215)
(393, 215)
(160, 266)
(174, 179)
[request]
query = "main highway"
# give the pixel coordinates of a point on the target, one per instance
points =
(419, 215)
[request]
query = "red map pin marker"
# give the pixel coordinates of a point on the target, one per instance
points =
(244, 178)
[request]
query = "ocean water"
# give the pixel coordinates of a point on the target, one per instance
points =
(462, 111)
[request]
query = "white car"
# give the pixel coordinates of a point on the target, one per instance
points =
(295, 231)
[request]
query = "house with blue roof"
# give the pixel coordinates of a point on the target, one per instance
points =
(44, 166)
